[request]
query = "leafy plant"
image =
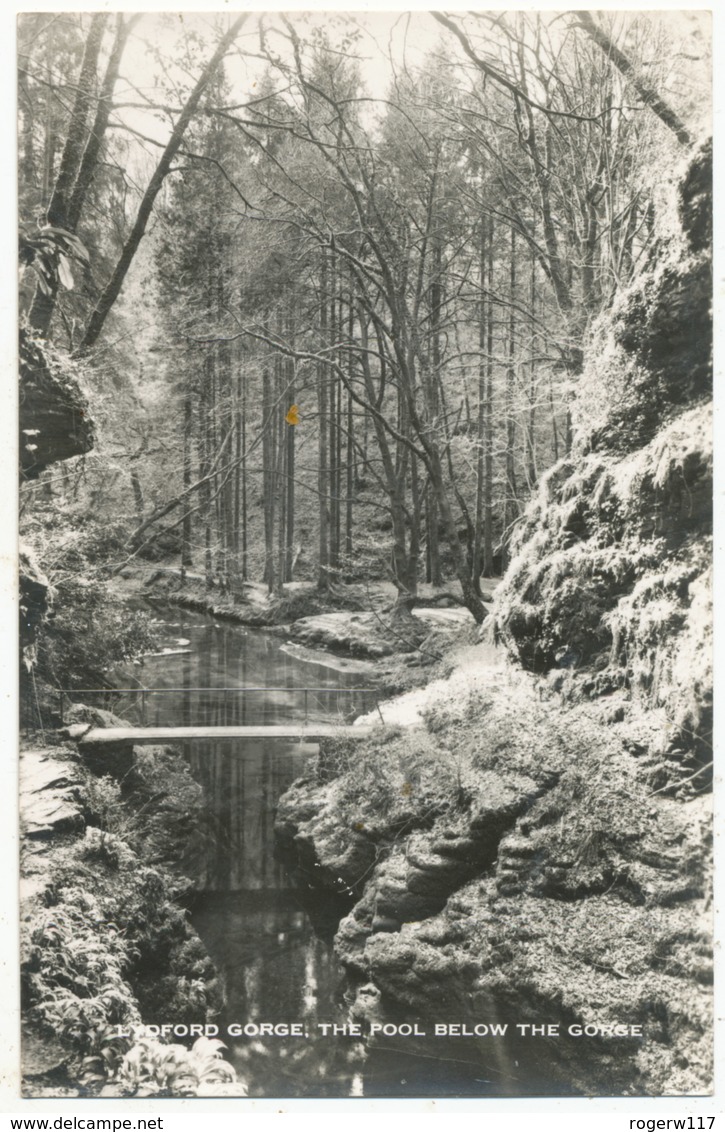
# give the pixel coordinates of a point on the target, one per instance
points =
(103, 803)
(152, 1068)
(48, 252)
(108, 848)
(73, 975)
(88, 632)
(124, 953)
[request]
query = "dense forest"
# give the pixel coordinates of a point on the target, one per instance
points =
(363, 317)
(319, 309)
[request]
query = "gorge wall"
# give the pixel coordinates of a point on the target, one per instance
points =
(54, 424)
(609, 587)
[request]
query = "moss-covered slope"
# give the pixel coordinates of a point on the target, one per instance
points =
(511, 861)
(609, 586)
(105, 943)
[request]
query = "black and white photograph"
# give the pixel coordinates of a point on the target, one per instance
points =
(365, 554)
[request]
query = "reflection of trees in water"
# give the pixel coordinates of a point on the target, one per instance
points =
(242, 785)
(314, 1067)
(260, 939)
(317, 1065)
(228, 658)
(275, 970)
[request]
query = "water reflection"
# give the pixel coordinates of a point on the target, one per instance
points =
(242, 785)
(275, 969)
(218, 674)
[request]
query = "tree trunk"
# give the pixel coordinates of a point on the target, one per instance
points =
(186, 556)
(554, 428)
(433, 558)
(470, 598)
(243, 473)
(290, 458)
(28, 169)
(49, 140)
(236, 504)
(349, 486)
(58, 209)
(43, 304)
(488, 441)
(414, 536)
(510, 502)
(280, 478)
(89, 162)
(113, 287)
(268, 463)
(205, 481)
(323, 578)
(532, 471)
(481, 420)
(334, 430)
(393, 474)
(137, 495)
(649, 96)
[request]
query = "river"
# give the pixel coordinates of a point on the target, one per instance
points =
(277, 968)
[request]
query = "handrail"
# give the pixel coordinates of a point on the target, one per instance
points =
(194, 688)
(142, 692)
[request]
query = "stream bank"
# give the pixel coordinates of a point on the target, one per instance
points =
(107, 863)
(351, 627)
(510, 861)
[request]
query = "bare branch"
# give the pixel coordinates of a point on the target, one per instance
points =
(649, 96)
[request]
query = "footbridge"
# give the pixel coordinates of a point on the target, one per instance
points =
(250, 713)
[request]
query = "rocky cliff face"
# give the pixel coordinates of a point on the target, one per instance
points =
(540, 851)
(609, 587)
(54, 425)
(511, 861)
(34, 595)
(54, 420)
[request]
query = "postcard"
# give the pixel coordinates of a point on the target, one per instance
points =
(365, 513)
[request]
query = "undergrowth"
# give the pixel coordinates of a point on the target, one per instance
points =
(106, 942)
(149, 1067)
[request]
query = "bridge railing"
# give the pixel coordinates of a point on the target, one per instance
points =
(225, 706)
